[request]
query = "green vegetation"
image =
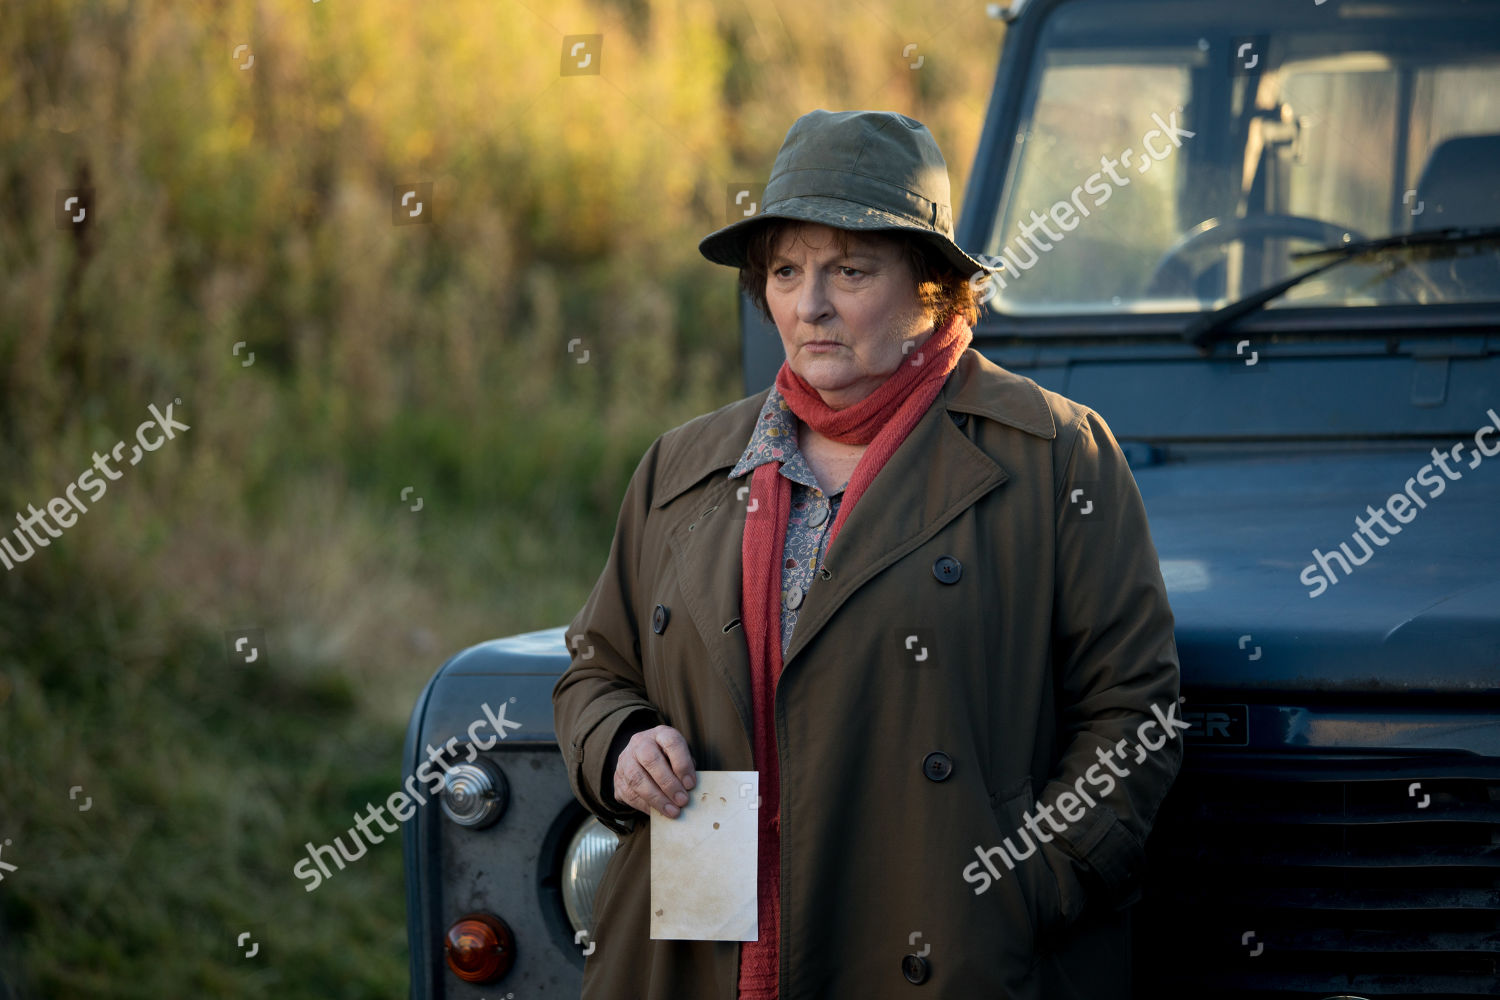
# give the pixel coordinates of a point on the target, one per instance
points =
(255, 205)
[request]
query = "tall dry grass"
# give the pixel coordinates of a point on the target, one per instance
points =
(255, 205)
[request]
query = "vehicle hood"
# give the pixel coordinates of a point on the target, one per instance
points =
(1235, 535)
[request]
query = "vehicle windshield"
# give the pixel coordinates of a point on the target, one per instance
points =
(1171, 155)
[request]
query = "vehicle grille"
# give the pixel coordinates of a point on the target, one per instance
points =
(1312, 876)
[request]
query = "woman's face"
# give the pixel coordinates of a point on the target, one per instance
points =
(843, 319)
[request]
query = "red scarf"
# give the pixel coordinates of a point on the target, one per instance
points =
(881, 420)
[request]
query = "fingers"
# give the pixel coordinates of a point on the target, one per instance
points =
(651, 772)
(637, 777)
(676, 749)
(659, 784)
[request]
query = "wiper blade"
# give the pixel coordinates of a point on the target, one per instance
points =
(1212, 326)
(1452, 236)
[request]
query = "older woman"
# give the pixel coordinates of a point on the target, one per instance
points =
(913, 590)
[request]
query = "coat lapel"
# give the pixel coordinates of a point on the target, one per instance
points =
(933, 476)
(706, 540)
(906, 503)
(707, 549)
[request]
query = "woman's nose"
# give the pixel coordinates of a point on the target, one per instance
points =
(812, 301)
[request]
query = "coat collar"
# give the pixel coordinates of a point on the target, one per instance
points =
(979, 386)
(901, 509)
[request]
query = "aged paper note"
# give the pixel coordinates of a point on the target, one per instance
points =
(703, 862)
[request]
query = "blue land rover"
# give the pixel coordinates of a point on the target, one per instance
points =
(1263, 240)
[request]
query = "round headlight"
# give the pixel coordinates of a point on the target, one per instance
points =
(583, 866)
(474, 794)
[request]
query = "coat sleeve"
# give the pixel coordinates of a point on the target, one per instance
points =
(1115, 673)
(602, 694)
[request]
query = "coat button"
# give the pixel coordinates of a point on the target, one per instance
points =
(659, 619)
(959, 419)
(947, 569)
(915, 969)
(937, 765)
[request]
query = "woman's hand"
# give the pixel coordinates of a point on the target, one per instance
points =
(656, 771)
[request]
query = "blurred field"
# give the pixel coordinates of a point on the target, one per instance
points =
(255, 205)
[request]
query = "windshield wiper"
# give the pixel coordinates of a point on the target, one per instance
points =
(1213, 326)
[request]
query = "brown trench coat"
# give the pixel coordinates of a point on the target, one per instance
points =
(1050, 643)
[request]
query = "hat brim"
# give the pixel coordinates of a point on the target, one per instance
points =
(727, 246)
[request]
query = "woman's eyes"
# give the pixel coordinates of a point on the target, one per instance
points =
(844, 271)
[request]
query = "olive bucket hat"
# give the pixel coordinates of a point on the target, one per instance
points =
(860, 170)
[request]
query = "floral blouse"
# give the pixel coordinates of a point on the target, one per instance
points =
(775, 440)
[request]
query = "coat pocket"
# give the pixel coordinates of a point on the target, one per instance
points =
(1025, 858)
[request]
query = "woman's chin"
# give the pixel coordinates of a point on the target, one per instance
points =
(835, 391)
(827, 374)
